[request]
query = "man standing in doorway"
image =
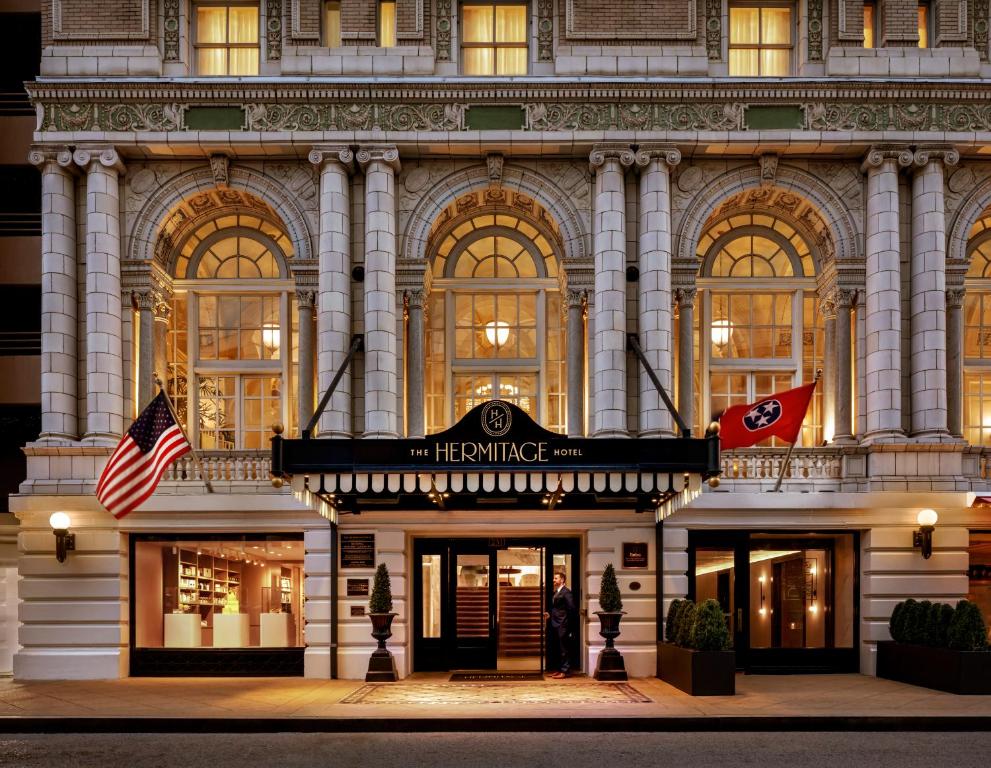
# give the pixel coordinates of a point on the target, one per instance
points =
(562, 625)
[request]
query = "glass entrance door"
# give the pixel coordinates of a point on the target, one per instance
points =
(790, 599)
(479, 603)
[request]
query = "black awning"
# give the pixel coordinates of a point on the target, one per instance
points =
(495, 456)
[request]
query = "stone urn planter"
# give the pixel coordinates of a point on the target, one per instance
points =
(610, 665)
(381, 665)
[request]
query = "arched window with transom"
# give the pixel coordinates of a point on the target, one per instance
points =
(977, 335)
(494, 321)
(764, 332)
(232, 343)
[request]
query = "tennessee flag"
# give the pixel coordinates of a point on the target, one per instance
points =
(779, 415)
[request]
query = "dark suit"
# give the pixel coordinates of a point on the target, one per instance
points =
(562, 626)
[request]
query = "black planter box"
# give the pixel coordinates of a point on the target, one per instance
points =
(700, 673)
(944, 669)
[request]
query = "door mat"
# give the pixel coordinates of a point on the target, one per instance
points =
(495, 677)
(518, 694)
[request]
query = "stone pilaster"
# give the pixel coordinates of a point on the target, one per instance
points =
(954, 361)
(380, 164)
(305, 300)
(576, 303)
(928, 292)
(686, 354)
(414, 302)
(883, 294)
(334, 300)
(104, 353)
(59, 419)
(842, 427)
(609, 163)
(656, 163)
(827, 305)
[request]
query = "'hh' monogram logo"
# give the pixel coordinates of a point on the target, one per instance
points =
(496, 418)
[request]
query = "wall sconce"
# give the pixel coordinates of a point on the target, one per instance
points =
(64, 541)
(923, 538)
(812, 567)
(762, 611)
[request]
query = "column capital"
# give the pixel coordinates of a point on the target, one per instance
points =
(162, 308)
(601, 153)
(340, 154)
(879, 153)
(685, 297)
(645, 153)
(927, 153)
(415, 298)
(828, 300)
(44, 154)
(575, 297)
(106, 156)
(955, 297)
(306, 298)
(143, 299)
(387, 154)
(846, 297)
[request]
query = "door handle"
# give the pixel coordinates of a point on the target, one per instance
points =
(739, 618)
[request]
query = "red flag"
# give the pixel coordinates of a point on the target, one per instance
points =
(780, 415)
(137, 464)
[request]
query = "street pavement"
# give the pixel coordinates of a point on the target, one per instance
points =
(504, 750)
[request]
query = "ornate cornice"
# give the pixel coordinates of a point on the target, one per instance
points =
(672, 107)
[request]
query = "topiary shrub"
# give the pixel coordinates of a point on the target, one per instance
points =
(942, 616)
(671, 623)
(914, 619)
(686, 624)
(610, 600)
(710, 632)
(380, 600)
(967, 631)
(929, 614)
(896, 624)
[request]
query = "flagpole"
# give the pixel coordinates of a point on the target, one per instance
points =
(192, 448)
(787, 461)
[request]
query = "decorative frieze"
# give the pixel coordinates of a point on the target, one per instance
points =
(667, 113)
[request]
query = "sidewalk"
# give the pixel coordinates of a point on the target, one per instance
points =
(430, 703)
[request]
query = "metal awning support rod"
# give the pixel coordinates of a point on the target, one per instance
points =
(357, 344)
(633, 343)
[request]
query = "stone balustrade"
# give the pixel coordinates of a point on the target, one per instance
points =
(223, 466)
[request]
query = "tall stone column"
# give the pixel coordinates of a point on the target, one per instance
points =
(576, 304)
(883, 358)
(59, 420)
(415, 341)
(305, 300)
(928, 292)
(162, 312)
(843, 370)
(334, 300)
(827, 305)
(608, 163)
(104, 353)
(380, 164)
(656, 163)
(686, 354)
(954, 361)
(145, 303)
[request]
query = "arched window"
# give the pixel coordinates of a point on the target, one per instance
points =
(977, 335)
(232, 341)
(494, 322)
(764, 331)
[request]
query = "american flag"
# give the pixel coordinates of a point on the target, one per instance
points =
(152, 443)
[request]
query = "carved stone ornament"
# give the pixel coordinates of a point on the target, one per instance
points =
(105, 156)
(981, 21)
(329, 153)
(877, 155)
(545, 30)
(306, 298)
(602, 153)
(494, 162)
(443, 27)
(714, 29)
(220, 167)
(685, 297)
(415, 298)
(669, 155)
(170, 30)
(955, 297)
(846, 298)
(273, 30)
(815, 29)
(827, 303)
(924, 154)
(385, 154)
(768, 169)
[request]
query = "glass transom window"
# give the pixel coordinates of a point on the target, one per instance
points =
(226, 40)
(760, 40)
(494, 39)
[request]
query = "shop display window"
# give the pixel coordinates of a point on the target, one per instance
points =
(218, 593)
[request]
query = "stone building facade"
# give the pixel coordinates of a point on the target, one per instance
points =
(494, 195)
